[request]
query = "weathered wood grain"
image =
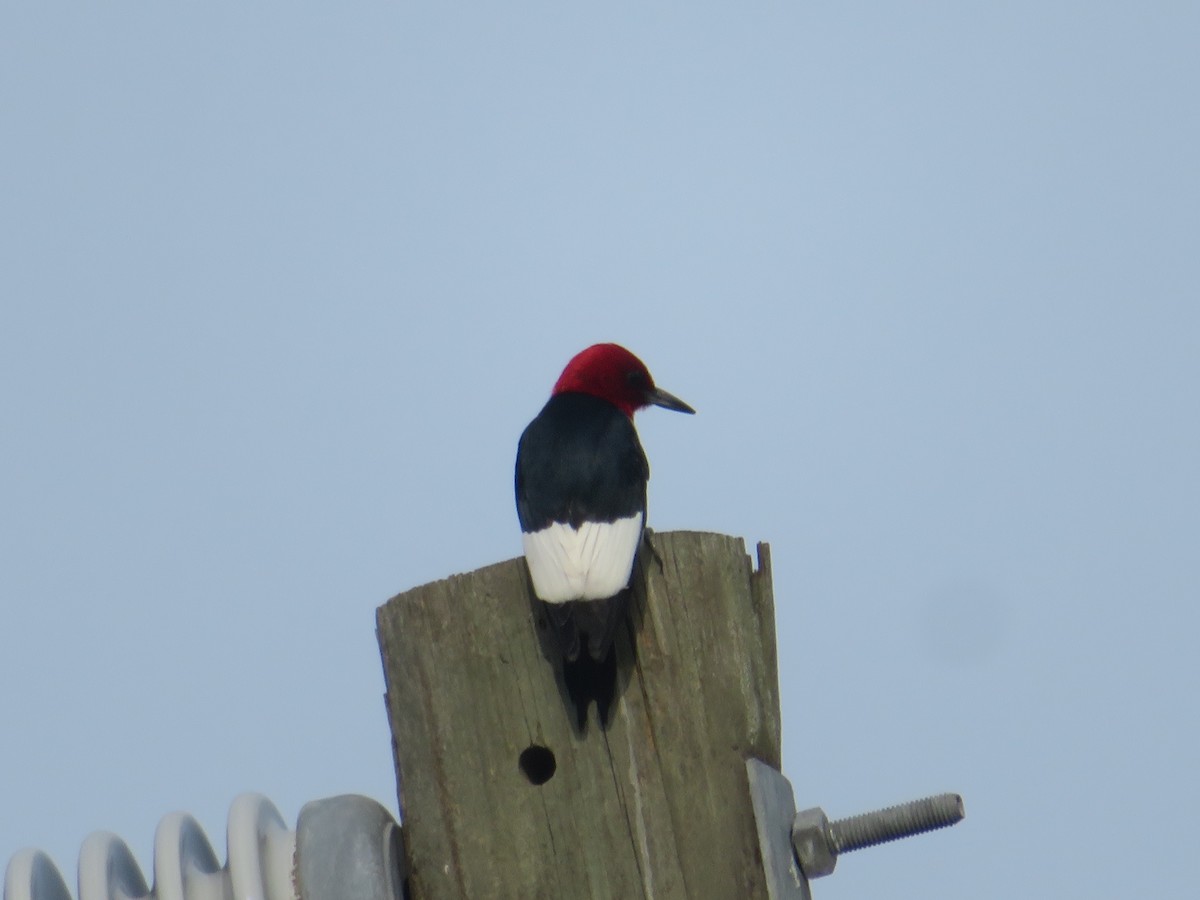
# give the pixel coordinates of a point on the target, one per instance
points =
(656, 806)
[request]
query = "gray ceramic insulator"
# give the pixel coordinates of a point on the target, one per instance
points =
(348, 848)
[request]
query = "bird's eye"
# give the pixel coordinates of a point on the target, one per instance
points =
(637, 379)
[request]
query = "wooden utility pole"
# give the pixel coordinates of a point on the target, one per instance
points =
(502, 797)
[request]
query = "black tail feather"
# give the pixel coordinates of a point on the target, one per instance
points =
(566, 630)
(590, 680)
(584, 631)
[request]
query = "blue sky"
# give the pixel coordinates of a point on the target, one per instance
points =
(280, 287)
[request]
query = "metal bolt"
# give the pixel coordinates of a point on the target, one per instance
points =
(817, 841)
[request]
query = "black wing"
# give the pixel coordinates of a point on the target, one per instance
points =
(579, 461)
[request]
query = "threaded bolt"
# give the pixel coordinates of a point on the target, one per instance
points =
(817, 841)
(895, 822)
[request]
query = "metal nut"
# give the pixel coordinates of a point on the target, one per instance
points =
(813, 842)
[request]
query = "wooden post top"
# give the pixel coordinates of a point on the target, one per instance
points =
(501, 796)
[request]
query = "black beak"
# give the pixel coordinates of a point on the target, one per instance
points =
(658, 397)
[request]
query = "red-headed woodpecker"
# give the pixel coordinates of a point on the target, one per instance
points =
(581, 493)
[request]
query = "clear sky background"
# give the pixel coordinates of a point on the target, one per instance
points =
(279, 289)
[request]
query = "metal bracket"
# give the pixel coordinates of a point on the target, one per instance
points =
(774, 811)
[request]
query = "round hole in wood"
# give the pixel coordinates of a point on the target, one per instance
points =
(537, 763)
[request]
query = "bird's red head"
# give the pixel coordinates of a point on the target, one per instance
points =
(612, 373)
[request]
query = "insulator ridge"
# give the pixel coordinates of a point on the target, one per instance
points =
(321, 859)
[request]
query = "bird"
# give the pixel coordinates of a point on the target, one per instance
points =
(580, 483)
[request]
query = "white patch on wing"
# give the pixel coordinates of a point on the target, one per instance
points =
(592, 562)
